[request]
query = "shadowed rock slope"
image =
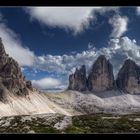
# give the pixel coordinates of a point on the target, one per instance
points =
(11, 78)
(101, 77)
(77, 81)
(128, 79)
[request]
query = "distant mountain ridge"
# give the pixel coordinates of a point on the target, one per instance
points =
(101, 77)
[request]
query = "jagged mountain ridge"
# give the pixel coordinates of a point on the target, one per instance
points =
(101, 77)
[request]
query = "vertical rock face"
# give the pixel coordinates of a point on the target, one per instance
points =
(128, 78)
(77, 81)
(101, 76)
(11, 77)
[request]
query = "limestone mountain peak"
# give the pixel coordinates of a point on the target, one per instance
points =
(101, 77)
(128, 78)
(11, 78)
(77, 81)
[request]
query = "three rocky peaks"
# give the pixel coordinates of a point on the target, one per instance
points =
(101, 77)
(11, 77)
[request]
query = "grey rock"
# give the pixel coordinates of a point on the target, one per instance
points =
(128, 79)
(77, 81)
(11, 77)
(29, 85)
(101, 77)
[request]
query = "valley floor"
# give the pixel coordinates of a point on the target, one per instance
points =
(82, 124)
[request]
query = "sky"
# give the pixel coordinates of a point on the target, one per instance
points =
(50, 42)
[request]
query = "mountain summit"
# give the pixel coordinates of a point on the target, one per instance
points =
(11, 78)
(77, 81)
(101, 77)
(128, 78)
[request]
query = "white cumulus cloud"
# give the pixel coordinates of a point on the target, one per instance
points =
(117, 51)
(14, 47)
(74, 18)
(138, 10)
(119, 24)
(46, 83)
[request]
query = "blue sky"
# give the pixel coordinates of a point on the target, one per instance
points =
(50, 42)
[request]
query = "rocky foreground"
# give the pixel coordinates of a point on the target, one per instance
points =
(83, 124)
(71, 112)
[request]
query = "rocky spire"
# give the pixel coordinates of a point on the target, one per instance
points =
(128, 78)
(2, 50)
(3, 55)
(77, 81)
(11, 77)
(101, 76)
